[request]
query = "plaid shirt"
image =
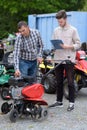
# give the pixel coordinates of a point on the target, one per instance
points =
(28, 48)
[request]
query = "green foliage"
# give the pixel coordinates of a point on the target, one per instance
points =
(16, 10)
(85, 7)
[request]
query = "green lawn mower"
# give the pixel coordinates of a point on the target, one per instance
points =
(6, 71)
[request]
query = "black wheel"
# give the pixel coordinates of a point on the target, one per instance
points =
(13, 115)
(44, 113)
(84, 46)
(8, 58)
(39, 75)
(4, 93)
(5, 108)
(49, 83)
(66, 90)
(1, 54)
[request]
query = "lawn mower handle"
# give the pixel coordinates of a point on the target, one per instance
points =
(51, 70)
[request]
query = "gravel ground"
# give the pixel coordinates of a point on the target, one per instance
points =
(58, 118)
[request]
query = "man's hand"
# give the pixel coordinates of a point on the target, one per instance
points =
(66, 46)
(39, 59)
(17, 73)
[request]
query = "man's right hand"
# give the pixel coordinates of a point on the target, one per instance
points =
(17, 73)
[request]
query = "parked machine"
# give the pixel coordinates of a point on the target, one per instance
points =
(6, 71)
(27, 99)
(1, 50)
(49, 81)
(80, 74)
(6, 64)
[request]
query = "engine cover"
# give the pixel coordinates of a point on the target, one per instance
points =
(33, 91)
(80, 55)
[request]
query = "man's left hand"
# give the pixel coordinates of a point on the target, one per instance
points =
(67, 46)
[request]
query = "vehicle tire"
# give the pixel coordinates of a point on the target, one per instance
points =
(4, 93)
(1, 54)
(8, 58)
(66, 90)
(49, 83)
(39, 75)
(44, 113)
(5, 108)
(13, 115)
(84, 46)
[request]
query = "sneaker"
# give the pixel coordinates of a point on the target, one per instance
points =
(70, 108)
(56, 104)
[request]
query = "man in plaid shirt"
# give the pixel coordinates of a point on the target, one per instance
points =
(27, 51)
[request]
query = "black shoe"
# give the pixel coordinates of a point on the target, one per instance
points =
(56, 104)
(70, 108)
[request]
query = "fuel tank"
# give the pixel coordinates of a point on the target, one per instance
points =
(33, 91)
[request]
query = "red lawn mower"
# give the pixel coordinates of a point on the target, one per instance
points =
(27, 99)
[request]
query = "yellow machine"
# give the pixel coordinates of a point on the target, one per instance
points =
(49, 82)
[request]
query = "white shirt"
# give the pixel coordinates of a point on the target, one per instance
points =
(69, 36)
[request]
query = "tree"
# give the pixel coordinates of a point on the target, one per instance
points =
(85, 7)
(16, 10)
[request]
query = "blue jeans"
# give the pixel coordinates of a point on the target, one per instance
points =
(28, 68)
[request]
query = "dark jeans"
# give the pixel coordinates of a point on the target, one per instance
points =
(59, 72)
(28, 68)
